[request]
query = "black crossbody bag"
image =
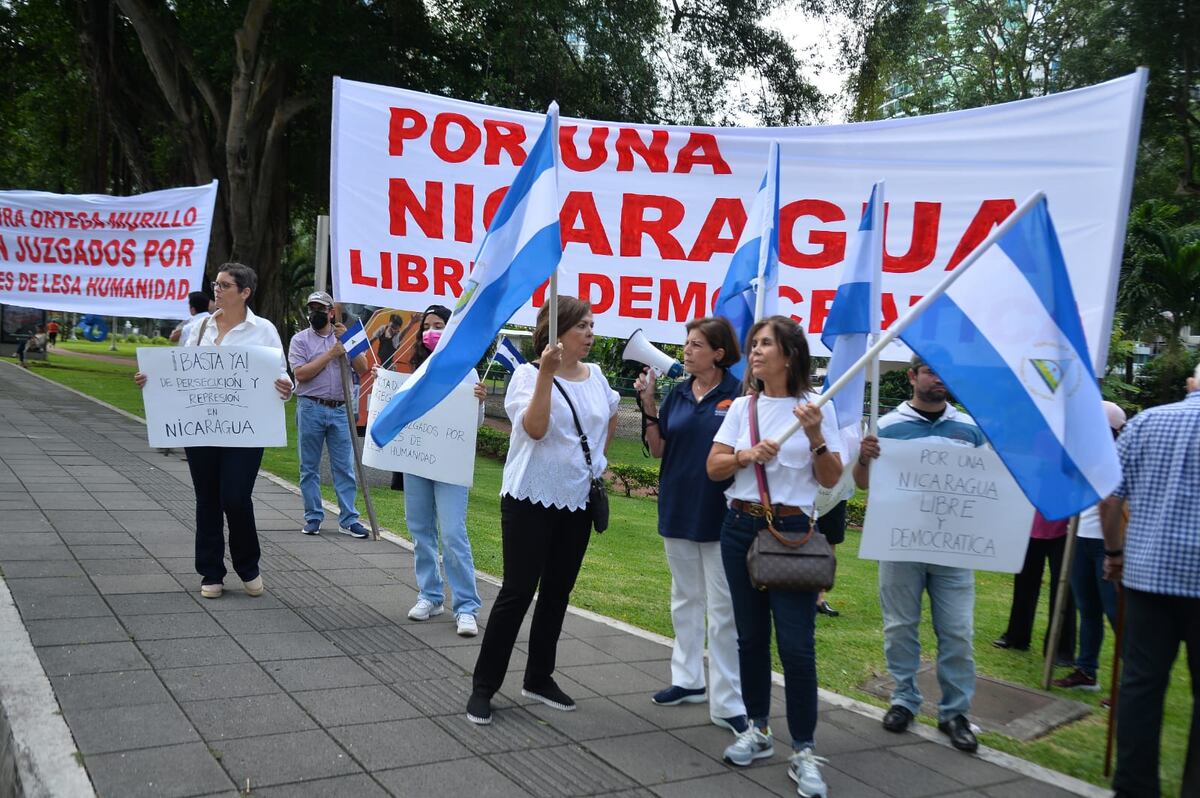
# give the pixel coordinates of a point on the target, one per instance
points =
(597, 492)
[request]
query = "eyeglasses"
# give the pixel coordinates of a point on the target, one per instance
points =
(219, 286)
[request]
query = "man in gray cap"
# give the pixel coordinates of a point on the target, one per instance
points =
(321, 416)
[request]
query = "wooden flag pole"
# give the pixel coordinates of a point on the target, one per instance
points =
(1060, 605)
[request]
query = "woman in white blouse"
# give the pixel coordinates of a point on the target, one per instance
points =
(223, 476)
(545, 521)
(778, 374)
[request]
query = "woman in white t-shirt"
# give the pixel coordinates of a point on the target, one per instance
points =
(545, 520)
(778, 372)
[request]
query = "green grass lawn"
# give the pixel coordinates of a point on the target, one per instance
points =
(128, 350)
(625, 576)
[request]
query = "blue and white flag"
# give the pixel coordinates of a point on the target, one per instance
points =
(856, 312)
(1007, 340)
(521, 250)
(355, 340)
(751, 288)
(507, 354)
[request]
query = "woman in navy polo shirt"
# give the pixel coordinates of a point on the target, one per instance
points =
(690, 510)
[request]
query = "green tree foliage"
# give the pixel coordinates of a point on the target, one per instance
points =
(1160, 287)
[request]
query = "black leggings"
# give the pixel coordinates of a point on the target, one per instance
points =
(543, 551)
(223, 477)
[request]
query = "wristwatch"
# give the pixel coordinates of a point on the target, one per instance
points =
(820, 450)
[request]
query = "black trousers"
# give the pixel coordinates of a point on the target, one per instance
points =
(1027, 587)
(1155, 625)
(543, 551)
(223, 478)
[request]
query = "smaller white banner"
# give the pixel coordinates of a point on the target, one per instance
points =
(945, 505)
(439, 445)
(212, 396)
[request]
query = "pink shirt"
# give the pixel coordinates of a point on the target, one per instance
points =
(1047, 530)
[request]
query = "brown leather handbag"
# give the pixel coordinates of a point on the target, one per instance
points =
(793, 561)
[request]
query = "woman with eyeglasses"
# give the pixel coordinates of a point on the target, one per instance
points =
(438, 510)
(223, 476)
(778, 393)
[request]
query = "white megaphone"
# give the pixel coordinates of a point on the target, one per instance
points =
(640, 349)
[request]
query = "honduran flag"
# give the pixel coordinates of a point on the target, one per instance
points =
(507, 354)
(355, 340)
(521, 250)
(751, 288)
(856, 311)
(1007, 340)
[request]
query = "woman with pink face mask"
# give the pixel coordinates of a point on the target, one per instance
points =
(433, 509)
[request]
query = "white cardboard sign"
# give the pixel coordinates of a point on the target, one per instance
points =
(945, 505)
(212, 396)
(439, 445)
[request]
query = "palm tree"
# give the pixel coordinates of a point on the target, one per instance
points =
(1160, 289)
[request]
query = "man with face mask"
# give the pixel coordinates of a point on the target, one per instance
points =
(321, 416)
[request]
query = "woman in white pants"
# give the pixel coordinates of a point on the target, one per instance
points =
(690, 509)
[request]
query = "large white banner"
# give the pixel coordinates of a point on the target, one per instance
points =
(439, 445)
(946, 505)
(651, 214)
(212, 396)
(114, 256)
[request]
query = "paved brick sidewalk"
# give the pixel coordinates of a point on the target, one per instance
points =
(322, 686)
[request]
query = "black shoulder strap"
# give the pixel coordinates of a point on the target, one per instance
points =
(583, 441)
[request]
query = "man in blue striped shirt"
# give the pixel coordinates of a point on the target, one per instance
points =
(1159, 565)
(902, 585)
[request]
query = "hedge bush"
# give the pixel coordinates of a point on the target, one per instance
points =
(491, 443)
(634, 477)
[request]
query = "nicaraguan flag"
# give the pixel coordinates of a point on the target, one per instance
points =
(1007, 340)
(755, 264)
(521, 250)
(856, 312)
(355, 340)
(507, 354)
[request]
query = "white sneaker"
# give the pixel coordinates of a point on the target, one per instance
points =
(750, 745)
(802, 768)
(467, 627)
(425, 609)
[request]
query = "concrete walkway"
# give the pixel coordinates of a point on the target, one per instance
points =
(322, 686)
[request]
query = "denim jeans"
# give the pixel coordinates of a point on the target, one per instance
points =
(952, 601)
(223, 478)
(1095, 597)
(794, 615)
(430, 507)
(318, 425)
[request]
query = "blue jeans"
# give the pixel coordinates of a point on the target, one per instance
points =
(794, 615)
(1095, 597)
(431, 506)
(319, 426)
(952, 601)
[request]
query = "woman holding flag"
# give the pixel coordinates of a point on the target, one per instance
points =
(434, 510)
(545, 519)
(786, 477)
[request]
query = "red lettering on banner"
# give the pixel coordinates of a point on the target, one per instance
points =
(634, 225)
(410, 269)
(539, 298)
(492, 204)
(447, 276)
(990, 214)
(464, 211)
(833, 244)
(634, 289)
(601, 281)
(819, 309)
(790, 294)
(507, 136)
(402, 202)
(654, 154)
(724, 211)
(675, 307)
(890, 314)
(701, 148)
(597, 155)
(3, 249)
(404, 124)
(580, 206)
(923, 246)
(439, 137)
(356, 273)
